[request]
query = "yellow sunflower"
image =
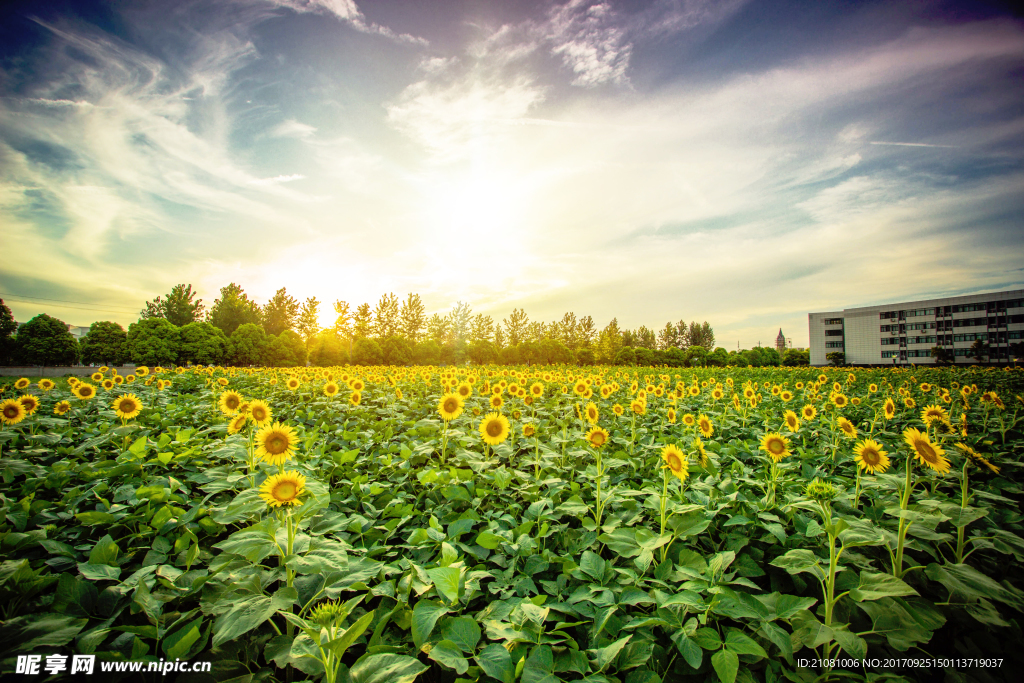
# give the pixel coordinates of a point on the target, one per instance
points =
(127, 406)
(597, 436)
(276, 443)
(61, 408)
(775, 445)
(230, 402)
(450, 407)
(29, 402)
(705, 426)
(889, 408)
(849, 430)
(494, 428)
(925, 451)
(934, 412)
(591, 413)
(675, 461)
(283, 489)
(870, 457)
(791, 420)
(12, 412)
(259, 413)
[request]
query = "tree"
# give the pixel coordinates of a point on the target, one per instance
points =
(943, 356)
(153, 341)
(460, 321)
(248, 342)
(587, 331)
(233, 309)
(8, 329)
(437, 328)
(366, 352)
(979, 350)
(46, 341)
(280, 313)
(286, 350)
(386, 317)
(309, 320)
(667, 337)
(203, 343)
(794, 358)
(343, 321)
(609, 343)
(362, 322)
(482, 351)
(106, 343)
(482, 328)
(412, 318)
(515, 327)
(396, 351)
(327, 350)
(836, 358)
(625, 356)
(179, 308)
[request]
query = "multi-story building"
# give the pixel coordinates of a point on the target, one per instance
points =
(902, 333)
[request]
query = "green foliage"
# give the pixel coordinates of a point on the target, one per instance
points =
(366, 352)
(233, 309)
(153, 341)
(46, 341)
(836, 358)
(280, 313)
(8, 330)
(248, 344)
(179, 308)
(204, 344)
(286, 350)
(328, 349)
(794, 358)
(106, 343)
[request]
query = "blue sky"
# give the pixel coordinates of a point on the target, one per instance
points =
(738, 162)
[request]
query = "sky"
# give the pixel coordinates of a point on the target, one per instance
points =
(739, 162)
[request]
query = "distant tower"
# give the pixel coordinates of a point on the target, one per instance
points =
(780, 341)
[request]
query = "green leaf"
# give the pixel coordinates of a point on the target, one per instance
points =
(742, 644)
(386, 668)
(424, 616)
(94, 517)
(463, 631)
(798, 561)
(488, 540)
(242, 618)
(496, 662)
(339, 645)
(181, 640)
(874, 586)
(592, 565)
(446, 581)
(99, 572)
(726, 664)
(606, 655)
(448, 654)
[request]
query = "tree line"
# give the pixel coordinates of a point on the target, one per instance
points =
(179, 328)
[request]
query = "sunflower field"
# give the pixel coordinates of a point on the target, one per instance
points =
(535, 524)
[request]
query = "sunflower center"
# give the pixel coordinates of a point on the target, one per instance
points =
(285, 490)
(494, 428)
(925, 450)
